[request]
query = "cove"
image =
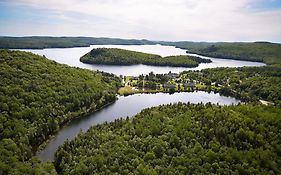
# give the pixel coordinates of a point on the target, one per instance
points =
(127, 106)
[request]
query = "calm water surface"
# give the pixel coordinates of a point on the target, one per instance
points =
(71, 56)
(127, 106)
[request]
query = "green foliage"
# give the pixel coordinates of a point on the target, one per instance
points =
(179, 139)
(38, 96)
(12, 161)
(112, 56)
(38, 42)
(269, 53)
(247, 83)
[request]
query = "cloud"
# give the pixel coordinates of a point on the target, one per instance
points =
(211, 20)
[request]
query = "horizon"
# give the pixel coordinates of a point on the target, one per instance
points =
(61, 36)
(160, 20)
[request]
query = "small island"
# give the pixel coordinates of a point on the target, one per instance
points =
(114, 56)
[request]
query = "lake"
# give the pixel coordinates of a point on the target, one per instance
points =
(130, 105)
(71, 57)
(127, 106)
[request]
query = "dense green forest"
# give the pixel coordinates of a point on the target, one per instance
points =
(247, 83)
(37, 42)
(38, 96)
(269, 53)
(179, 139)
(113, 56)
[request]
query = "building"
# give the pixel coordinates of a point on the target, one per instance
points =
(169, 86)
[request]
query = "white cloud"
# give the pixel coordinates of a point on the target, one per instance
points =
(216, 20)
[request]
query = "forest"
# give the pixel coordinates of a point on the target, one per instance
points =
(179, 139)
(39, 96)
(114, 56)
(269, 53)
(40, 42)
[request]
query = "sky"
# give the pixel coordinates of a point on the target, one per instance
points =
(168, 20)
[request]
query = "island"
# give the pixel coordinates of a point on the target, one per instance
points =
(114, 56)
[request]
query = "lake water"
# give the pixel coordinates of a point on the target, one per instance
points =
(130, 105)
(71, 57)
(127, 106)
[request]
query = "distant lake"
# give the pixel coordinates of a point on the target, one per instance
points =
(127, 106)
(71, 56)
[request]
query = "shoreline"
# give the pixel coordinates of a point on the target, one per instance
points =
(86, 113)
(225, 58)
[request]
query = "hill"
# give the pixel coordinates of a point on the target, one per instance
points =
(37, 97)
(269, 53)
(179, 139)
(41, 42)
(113, 56)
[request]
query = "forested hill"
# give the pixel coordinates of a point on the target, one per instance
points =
(39, 42)
(38, 96)
(269, 53)
(180, 139)
(114, 56)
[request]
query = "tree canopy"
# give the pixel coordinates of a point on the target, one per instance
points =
(246, 83)
(179, 139)
(113, 56)
(41, 42)
(38, 96)
(269, 53)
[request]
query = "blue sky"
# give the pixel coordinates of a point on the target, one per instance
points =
(196, 20)
(268, 4)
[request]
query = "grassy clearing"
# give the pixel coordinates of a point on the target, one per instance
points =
(127, 90)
